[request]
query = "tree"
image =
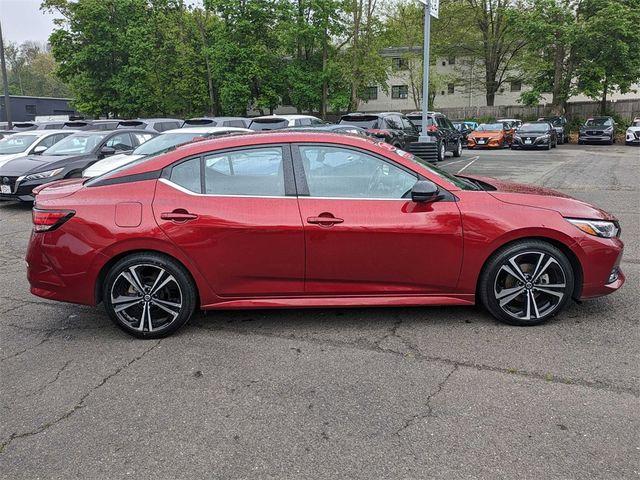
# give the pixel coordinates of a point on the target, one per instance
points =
(494, 40)
(609, 56)
(31, 71)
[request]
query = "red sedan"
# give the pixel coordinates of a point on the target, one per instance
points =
(312, 220)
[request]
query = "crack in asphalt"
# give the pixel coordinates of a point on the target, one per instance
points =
(46, 338)
(415, 354)
(15, 436)
(429, 413)
(50, 382)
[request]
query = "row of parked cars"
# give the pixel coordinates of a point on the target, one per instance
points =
(37, 153)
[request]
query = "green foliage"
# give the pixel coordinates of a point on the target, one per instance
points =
(31, 71)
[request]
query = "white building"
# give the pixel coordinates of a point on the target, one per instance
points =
(457, 81)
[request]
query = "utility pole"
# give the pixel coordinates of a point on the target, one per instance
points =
(424, 136)
(7, 103)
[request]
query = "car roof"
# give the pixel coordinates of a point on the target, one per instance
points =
(207, 130)
(285, 117)
(42, 133)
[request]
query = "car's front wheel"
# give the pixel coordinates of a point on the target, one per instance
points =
(149, 295)
(526, 283)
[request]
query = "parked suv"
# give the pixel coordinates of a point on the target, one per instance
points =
(392, 127)
(598, 129)
(560, 124)
(448, 137)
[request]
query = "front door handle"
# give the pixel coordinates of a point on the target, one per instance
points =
(178, 215)
(325, 219)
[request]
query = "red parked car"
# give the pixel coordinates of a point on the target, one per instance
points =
(296, 219)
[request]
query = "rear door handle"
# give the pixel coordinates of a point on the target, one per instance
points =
(179, 215)
(325, 220)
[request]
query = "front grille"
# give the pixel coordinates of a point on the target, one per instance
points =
(594, 132)
(10, 181)
(425, 151)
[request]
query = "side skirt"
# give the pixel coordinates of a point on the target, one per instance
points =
(350, 301)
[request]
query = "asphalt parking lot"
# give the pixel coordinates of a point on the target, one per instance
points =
(343, 393)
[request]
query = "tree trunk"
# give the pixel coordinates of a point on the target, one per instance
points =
(559, 97)
(603, 102)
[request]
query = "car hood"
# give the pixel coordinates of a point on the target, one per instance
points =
(109, 163)
(38, 163)
(633, 129)
(486, 132)
(540, 197)
(4, 159)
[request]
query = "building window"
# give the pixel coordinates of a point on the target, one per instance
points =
(400, 91)
(30, 109)
(516, 85)
(451, 88)
(452, 60)
(399, 63)
(370, 93)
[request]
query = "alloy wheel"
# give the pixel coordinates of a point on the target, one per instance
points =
(530, 285)
(146, 297)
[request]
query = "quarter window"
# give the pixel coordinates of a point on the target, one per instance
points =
(340, 172)
(256, 172)
(187, 175)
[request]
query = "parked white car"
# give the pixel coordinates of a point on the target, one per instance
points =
(31, 142)
(276, 122)
(157, 145)
(633, 133)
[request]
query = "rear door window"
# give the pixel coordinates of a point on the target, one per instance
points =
(121, 142)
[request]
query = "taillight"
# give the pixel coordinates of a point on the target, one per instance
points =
(432, 128)
(48, 220)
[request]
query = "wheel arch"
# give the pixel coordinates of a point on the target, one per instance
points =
(563, 247)
(99, 284)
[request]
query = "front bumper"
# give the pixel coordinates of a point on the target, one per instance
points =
(602, 256)
(537, 143)
(23, 190)
(632, 138)
(473, 143)
(582, 137)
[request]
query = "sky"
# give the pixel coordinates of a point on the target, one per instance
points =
(22, 20)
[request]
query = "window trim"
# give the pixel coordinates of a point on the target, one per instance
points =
(301, 179)
(287, 167)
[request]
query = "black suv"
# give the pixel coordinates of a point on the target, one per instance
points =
(598, 129)
(392, 127)
(560, 124)
(448, 137)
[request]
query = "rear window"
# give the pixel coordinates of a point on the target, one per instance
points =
(261, 124)
(199, 122)
(363, 121)
(233, 123)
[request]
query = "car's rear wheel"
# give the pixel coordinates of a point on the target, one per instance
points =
(458, 150)
(149, 295)
(526, 283)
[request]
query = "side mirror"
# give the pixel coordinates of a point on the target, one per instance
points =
(106, 151)
(425, 191)
(38, 150)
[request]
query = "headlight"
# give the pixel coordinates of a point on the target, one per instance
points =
(598, 228)
(40, 175)
(544, 138)
(609, 130)
(517, 137)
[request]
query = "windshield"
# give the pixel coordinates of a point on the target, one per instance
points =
(17, 143)
(599, 122)
(76, 144)
(461, 183)
(555, 121)
(533, 128)
(636, 123)
(364, 121)
(165, 141)
(490, 127)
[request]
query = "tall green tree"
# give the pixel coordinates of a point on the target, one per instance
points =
(608, 59)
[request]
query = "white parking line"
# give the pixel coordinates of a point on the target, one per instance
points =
(467, 165)
(461, 160)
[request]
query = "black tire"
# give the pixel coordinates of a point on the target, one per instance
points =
(554, 144)
(173, 303)
(458, 150)
(442, 150)
(534, 292)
